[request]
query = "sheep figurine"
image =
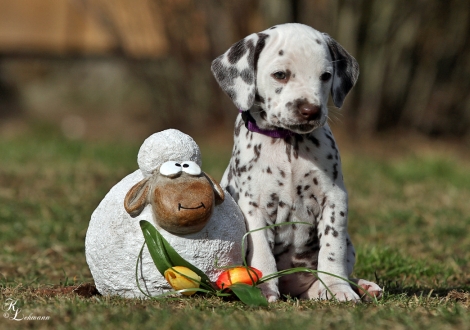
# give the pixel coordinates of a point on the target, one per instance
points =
(189, 208)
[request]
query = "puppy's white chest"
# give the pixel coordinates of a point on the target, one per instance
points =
(285, 180)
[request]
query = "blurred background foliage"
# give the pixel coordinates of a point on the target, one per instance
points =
(125, 69)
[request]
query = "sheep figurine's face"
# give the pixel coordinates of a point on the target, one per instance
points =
(182, 197)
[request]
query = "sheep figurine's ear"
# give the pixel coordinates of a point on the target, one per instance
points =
(346, 70)
(219, 194)
(235, 70)
(137, 198)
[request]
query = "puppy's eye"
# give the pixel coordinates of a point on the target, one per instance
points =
(280, 75)
(191, 168)
(170, 169)
(325, 76)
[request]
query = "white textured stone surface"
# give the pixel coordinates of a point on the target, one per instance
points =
(166, 145)
(114, 239)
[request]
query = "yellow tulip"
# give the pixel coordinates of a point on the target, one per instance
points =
(178, 281)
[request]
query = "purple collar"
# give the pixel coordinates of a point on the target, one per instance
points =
(250, 124)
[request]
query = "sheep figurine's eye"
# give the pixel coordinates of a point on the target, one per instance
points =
(170, 169)
(191, 168)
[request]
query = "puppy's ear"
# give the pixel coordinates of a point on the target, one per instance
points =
(235, 70)
(137, 198)
(346, 71)
(219, 194)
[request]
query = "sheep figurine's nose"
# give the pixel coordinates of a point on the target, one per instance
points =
(183, 205)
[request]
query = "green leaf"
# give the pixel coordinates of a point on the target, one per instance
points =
(155, 247)
(163, 254)
(248, 294)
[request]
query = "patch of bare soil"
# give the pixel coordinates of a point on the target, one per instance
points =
(85, 290)
(459, 296)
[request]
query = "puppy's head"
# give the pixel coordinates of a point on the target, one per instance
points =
(284, 76)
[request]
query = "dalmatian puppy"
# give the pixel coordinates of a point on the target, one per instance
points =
(285, 165)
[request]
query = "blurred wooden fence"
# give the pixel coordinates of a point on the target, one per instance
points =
(74, 27)
(414, 54)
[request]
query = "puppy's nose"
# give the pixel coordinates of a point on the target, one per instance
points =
(309, 111)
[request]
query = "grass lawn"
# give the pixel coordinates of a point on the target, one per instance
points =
(409, 221)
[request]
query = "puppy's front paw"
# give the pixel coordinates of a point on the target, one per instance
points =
(270, 291)
(340, 292)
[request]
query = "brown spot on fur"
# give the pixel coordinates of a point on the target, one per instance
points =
(238, 128)
(253, 204)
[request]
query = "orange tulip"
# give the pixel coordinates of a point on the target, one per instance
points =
(238, 275)
(179, 282)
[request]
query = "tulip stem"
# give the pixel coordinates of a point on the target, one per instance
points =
(137, 271)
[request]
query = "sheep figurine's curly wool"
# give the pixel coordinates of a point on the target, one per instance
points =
(114, 238)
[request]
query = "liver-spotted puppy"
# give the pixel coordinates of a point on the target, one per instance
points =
(285, 164)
